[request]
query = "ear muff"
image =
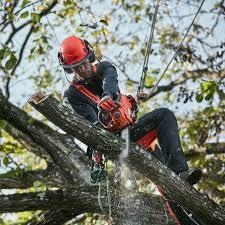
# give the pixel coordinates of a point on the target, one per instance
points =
(90, 49)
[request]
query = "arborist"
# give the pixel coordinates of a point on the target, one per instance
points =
(94, 88)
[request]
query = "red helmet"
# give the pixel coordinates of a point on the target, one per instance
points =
(73, 51)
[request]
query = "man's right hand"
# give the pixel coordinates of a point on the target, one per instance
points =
(142, 96)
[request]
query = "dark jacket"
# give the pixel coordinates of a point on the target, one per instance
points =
(102, 82)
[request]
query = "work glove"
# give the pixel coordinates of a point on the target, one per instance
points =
(142, 96)
(107, 104)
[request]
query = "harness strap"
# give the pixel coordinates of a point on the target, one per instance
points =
(86, 92)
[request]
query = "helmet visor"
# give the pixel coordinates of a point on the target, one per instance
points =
(74, 65)
(82, 71)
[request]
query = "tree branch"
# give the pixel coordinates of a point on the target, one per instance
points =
(18, 61)
(14, 31)
(59, 216)
(49, 200)
(125, 207)
(44, 12)
(211, 148)
(187, 75)
(49, 177)
(27, 142)
(63, 151)
(112, 146)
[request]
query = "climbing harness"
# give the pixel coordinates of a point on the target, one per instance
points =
(98, 173)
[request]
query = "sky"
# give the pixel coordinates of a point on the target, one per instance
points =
(22, 88)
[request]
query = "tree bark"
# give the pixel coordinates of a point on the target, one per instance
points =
(49, 177)
(22, 121)
(127, 207)
(185, 195)
(65, 154)
(27, 142)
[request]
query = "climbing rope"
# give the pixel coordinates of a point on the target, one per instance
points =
(100, 184)
(177, 49)
(148, 51)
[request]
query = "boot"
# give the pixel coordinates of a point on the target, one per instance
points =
(191, 176)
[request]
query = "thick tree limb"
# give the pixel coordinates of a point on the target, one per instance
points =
(27, 142)
(49, 200)
(50, 177)
(19, 119)
(65, 154)
(138, 159)
(59, 216)
(112, 147)
(128, 207)
(211, 148)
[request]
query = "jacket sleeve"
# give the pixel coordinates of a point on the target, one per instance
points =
(109, 79)
(81, 105)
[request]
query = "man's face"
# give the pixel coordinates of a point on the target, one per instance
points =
(84, 70)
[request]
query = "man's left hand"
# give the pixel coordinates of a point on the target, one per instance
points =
(107, 104)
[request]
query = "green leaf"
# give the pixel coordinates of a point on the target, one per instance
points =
(68, 2)
(137, 18)
(6, 161)
(199, 97)
(35, 17)
(105, 31)
(41, 7)
(24, 15)
(11, 62)
(61, 15)
(115, 2)
(149, 81)
(221, 94)
(2, 52)
(129, 83)
(6, 52)
(31, 121)
(209, 96)
(206, 85)
(104, 22)
(36, 28)
(24, 3)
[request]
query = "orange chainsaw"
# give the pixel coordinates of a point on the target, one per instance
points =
(116, 116)
(113, 115)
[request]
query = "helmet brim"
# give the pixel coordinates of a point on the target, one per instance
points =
(71, 66)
